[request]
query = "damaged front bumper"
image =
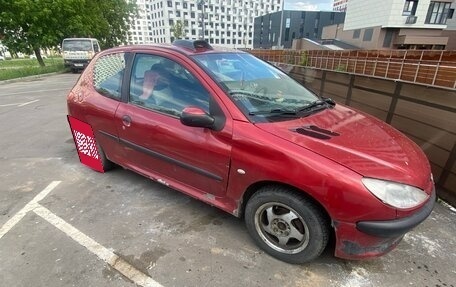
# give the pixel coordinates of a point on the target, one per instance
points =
(366, 239)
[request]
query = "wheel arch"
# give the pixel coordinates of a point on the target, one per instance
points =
(253, 188)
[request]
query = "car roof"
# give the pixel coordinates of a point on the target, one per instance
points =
(79, 39)
(187, 47)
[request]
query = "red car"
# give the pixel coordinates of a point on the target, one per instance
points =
(236, 132)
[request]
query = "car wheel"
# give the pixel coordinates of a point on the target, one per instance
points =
(286, 225)
(105, 162)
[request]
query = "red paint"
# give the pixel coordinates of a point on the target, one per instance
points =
(329, 171)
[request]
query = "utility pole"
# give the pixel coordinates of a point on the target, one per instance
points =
(281, 26)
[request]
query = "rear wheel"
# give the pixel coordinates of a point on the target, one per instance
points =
(286, 225)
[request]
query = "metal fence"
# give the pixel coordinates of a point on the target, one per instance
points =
(434, 68)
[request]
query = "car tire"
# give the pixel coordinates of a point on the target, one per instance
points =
(105, 162)
(286, 225)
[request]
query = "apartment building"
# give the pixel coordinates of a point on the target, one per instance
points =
(340, 5)
(395, 24)
(279, 29)
(227, 23)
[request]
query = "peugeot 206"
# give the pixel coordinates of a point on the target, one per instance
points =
(235, 132)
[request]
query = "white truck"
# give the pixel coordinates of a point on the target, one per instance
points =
(77, 52)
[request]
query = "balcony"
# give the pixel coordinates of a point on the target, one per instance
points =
(411, 19)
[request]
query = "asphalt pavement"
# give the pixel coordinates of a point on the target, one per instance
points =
(62, 224)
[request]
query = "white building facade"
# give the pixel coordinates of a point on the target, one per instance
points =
(397, 24)
(416, 14)
(226, 23)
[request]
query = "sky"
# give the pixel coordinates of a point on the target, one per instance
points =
(310, 5)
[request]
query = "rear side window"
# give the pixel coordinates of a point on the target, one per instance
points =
(108, 74)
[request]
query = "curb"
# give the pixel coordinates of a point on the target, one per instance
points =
(28, 78)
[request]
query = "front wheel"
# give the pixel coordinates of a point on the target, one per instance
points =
(286, 225)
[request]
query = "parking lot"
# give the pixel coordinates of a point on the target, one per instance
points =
(62, 224)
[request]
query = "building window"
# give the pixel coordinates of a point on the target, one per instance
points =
(437, 13)
(368, 34)
(388, 38)
(170, 3)
(410, 7)
(450, 14)
(356, 33)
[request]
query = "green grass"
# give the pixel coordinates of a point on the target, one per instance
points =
(18, 68)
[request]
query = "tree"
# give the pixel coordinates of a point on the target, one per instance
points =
(178, 29)
(31, 25)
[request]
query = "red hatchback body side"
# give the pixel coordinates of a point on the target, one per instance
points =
(225, 167)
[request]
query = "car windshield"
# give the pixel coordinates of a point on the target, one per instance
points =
(77, 45)
(257, 88)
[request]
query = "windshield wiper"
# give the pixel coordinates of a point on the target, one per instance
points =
(317, 105)
(274, 112)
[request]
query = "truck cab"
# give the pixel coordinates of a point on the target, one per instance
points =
(77, 52)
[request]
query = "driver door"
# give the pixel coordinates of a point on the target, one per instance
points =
(157, 144)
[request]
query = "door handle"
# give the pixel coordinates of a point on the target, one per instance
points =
(126, 120)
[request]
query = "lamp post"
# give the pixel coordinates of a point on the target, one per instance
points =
(201, 3)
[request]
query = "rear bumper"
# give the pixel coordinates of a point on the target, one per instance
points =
(374, 238)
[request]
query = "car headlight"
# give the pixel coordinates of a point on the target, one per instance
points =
(395, 194)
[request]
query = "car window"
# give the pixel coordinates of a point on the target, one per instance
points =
(108, 74)
(161, 84)
(96, 48)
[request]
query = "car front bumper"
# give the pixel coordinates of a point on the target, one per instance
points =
(77, 64)
(366, 239)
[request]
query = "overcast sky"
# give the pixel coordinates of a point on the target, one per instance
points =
(310, 5)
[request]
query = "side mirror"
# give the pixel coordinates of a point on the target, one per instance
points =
(196, 117)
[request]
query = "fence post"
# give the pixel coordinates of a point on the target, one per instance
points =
(402, 65)
(437, 68)
(395, 97)
(350, 89)
(375, 65)
(449, 163)
(418, 67)
(322, 83)
(388, 65)
(356, 62)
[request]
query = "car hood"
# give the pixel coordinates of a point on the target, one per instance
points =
(358, 141)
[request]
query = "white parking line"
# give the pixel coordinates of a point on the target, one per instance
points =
(37, 91)
(96, 248)
(27, 103)
(108, 256)
(28, 207)
(19, 104)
